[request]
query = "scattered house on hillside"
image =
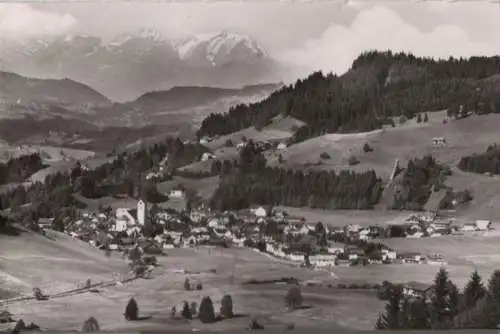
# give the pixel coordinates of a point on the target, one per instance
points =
(438, 141)
(281, 146)
(207, 156)
(416, 290)
(410, 257)
(123, 220)
(176, 193)
(205, 140)
(323, 260)
(478, 225)
(483, 225)
(241, 144)
(261, 211)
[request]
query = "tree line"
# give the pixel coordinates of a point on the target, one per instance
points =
(124, 175)
(486, 162)
(443, 306)
(252, 182)
(20, 168)
(379, 85)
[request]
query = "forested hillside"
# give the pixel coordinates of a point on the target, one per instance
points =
(378, 86)
(251, 182)
(125, 175)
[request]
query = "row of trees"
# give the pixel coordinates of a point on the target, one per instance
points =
(486, 162)
(379, 85)
(444, 306)
(20, 168)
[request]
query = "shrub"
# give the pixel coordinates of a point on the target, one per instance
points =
(199, 287)
(91, 325)
(255, 324)
(173, 311)
(226, 307)
(132, 310)
(206, 313)
(293, 298)
(426, 118)
(187, 284)
(229, 143)
(367, 148)
(325, 156)
(402, 119)
(186, 311)
(353, 160)
(419, 118)
(290, 326)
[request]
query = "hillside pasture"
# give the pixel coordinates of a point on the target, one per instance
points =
(403, 142)
(221, 271)
(462, 255)
(339, 218)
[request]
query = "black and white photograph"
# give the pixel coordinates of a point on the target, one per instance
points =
(230, 166)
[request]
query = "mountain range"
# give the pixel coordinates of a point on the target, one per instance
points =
(133, 63)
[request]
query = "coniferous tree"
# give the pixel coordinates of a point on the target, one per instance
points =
(132, 310)
(206, 312)
(293, 298)
(391, 319)
(419, 118)
(426, 118)
(474, 290)
(91, 325)
(226, 306)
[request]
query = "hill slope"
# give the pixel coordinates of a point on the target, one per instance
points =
(379, 85)
(18, 89)
(53, 264)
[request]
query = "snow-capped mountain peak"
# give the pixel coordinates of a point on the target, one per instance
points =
(216, 47)
(149, 34)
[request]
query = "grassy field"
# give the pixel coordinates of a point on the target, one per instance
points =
(339, 218)
(331, 308)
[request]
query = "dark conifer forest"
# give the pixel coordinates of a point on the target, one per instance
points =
(252, 182)
(378, 86)
(486, 162)
(20, 168)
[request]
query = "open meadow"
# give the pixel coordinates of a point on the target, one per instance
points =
(68, 263)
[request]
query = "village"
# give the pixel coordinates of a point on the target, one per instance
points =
(274, 232)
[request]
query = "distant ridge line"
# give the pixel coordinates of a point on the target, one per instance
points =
(273, 330)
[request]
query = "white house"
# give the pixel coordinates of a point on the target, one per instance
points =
(120, 225)
(141, 212)
(176, 193)
(241, 145)
(323, 260)
(483, 225)
(282, 146)
(207, 156)
(260, 212)
(122, 215)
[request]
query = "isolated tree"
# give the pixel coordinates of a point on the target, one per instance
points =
(226, 306)
(293, 298)
(199, 286)
(91, 325)
(187, 284)
(419, 118)
(367, 148)
(426, 118)
(186, 311)
(206, 313)
(474, 290)
(132, 310)
(173, 311)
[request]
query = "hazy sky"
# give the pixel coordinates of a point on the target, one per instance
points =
(320, 35)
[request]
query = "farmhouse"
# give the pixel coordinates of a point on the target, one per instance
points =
(323, 260)
(416, 290)
(438, 141)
